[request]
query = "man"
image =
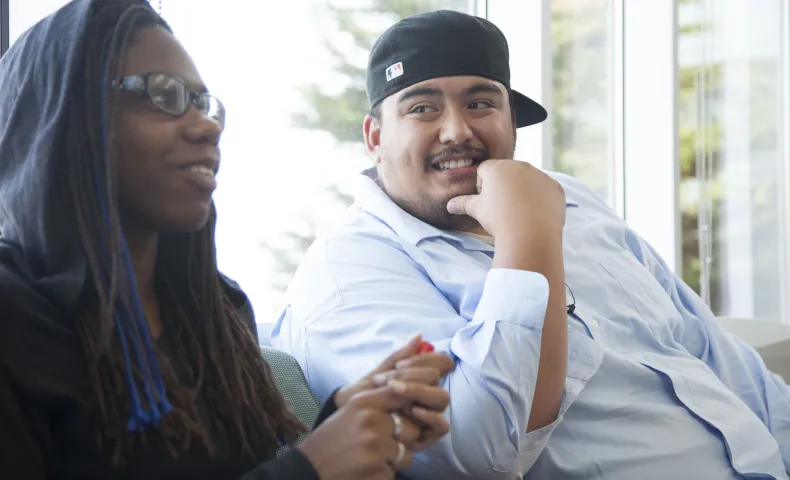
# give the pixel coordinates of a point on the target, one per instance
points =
(632, 378)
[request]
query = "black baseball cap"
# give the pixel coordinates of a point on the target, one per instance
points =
(443, 43)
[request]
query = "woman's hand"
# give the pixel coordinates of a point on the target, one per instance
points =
(429, 370)
(420, 371)
(418, 374)
(363, 439)
(366, 383)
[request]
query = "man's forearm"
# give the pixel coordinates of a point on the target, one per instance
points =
(543, 255)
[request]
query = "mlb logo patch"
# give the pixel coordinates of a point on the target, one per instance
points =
(394, 71)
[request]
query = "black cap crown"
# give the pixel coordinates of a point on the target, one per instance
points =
(443, 43)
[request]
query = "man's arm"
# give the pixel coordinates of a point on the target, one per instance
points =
(384, 298)
(737, 364)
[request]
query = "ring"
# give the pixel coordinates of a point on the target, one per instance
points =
(401, 453)
(397, 430)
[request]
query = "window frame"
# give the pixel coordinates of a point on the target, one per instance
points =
(784, 127)
(530, 42)
(650, 94)
(4, 26)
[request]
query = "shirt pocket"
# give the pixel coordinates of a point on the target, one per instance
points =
(638, 303)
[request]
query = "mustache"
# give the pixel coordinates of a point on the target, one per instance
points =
(480, 154)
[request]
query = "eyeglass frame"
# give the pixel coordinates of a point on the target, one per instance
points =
(138, 84)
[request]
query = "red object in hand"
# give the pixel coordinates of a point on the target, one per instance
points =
(425, 347)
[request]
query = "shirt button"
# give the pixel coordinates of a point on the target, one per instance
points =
(573, 354)
(589, 361)
(595, 323)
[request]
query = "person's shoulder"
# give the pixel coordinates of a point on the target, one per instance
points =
(580, 194)
(18, 296)
(354, 237)
(358, 241)
(574, 188)
(38, 340)
(239, 299)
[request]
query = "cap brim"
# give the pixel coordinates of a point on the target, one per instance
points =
(528, 111)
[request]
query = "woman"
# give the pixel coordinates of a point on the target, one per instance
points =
(123, 352)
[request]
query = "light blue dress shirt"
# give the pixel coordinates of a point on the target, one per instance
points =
(655, 387)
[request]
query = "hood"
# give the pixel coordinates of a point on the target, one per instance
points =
(37, 226)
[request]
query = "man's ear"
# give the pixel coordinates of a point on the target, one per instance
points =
(515, 132)
(371, 130)
(513, 120)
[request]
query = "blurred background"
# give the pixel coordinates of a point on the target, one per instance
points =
(675, 111)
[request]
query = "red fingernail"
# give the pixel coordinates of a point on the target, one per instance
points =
(425, 347)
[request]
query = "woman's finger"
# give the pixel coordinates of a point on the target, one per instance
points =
(384, 399)
(424, 375)
(410, 348)
(401, 456)
(429, 396)
(405, 429)
(440, 361)
(435, 426)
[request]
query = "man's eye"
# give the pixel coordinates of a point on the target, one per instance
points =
(422, 109)
(480, 105)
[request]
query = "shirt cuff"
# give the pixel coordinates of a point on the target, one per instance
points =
(515, 296)
(534, 443)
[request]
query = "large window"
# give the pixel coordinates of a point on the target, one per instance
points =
(3, 26)
(731, 86)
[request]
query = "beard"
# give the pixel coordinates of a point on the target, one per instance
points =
(433, 211)
(431, 207)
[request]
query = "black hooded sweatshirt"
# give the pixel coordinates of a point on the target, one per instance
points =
(48, 427)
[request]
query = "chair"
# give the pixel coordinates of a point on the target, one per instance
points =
(770, 339)
(293, 385)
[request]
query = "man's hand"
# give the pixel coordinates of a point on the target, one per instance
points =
(514, 199)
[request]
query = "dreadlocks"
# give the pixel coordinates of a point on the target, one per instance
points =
(128, 375)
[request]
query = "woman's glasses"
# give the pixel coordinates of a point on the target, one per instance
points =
(172, 96)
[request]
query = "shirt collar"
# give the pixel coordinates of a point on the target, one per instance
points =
(369, 197)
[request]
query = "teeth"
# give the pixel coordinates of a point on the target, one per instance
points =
(451, 164)
(202, 170)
